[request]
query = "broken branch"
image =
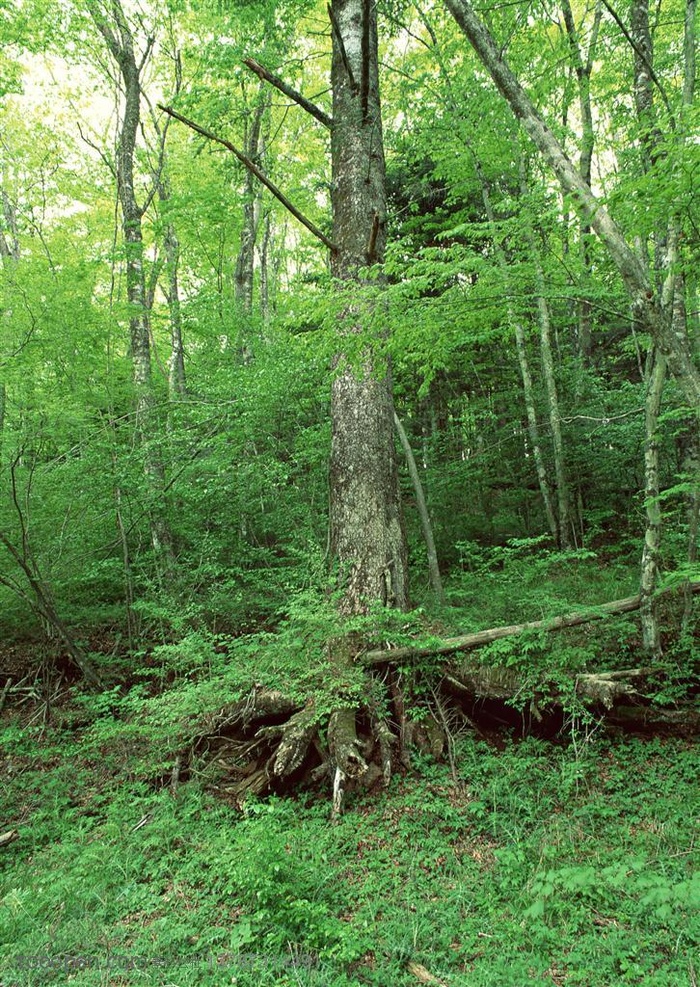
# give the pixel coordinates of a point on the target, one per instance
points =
(253, 168)
(287, 90)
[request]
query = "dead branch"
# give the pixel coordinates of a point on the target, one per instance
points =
(287, 90)
(253, 168)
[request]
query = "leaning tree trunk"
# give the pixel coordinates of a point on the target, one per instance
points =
(642, 292)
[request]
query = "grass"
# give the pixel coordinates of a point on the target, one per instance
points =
(569, 865)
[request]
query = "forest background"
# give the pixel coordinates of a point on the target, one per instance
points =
(480, 306)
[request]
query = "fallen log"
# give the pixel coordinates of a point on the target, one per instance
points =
(266, 741)
(9, 837)
(466, 642)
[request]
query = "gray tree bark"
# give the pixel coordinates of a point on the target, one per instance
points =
(118, 38)
(177, 380)
(366, 526)
(651, 636)
(367, 540)
(245, 262)
(9, 255)
(583, 66)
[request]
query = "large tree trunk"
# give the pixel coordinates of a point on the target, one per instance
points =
(367, 536)
(366, 527)
(268, 740)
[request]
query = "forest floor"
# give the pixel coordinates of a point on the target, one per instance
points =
(512, 862)
(530, 862)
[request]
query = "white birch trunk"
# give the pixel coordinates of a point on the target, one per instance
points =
(652, 536)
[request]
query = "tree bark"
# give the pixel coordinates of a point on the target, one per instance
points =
(245, 263)
(9, 255)
(366, 526)
(651, 634)
(177, 380)
(367, 540)
(583, 66)
(118, 38)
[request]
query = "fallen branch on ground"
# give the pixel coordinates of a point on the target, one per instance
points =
(468, 641)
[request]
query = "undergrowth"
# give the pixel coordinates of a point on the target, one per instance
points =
(571, 864)
(538, 864)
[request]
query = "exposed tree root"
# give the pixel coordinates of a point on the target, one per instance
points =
(269, 742)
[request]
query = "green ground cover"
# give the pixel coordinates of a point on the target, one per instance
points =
(568, 864)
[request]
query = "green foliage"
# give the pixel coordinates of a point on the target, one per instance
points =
(579, 859)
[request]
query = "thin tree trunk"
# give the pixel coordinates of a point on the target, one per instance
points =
(177, 381)
(691, 470)
(563, 496)
(266, 306)
(583, 66)
(245, 263)
(433, 567)
(120, 43)
(652, 537)
(562, 484)
(521, 347)
(691, 464)
(9, 254)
